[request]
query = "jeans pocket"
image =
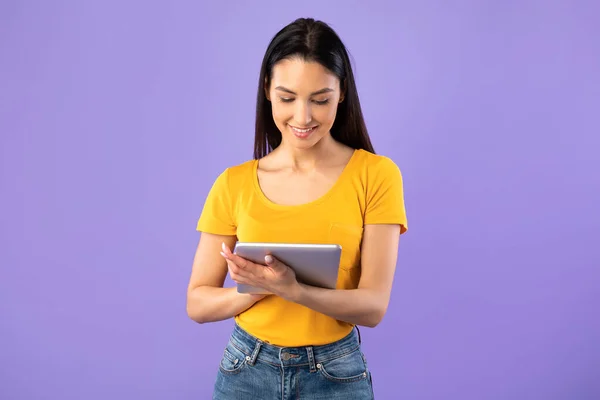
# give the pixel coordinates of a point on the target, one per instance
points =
(233, 360)
(345, 369)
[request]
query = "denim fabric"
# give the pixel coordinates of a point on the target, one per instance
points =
(254, 370)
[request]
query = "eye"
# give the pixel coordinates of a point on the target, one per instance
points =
(286, 99)
(322, 102)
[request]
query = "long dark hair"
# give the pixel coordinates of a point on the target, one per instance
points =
(312, 41)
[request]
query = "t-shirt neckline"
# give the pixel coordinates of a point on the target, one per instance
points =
(325, 196)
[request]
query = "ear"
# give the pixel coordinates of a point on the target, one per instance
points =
(342, 90)
(266, 88)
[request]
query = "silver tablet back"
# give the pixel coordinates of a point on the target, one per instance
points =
(314, 264)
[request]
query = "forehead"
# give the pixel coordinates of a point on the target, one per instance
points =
(302, 76)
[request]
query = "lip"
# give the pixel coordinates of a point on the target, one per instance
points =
(308, 127)
(303, 135)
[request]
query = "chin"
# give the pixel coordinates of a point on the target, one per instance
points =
(302, 144)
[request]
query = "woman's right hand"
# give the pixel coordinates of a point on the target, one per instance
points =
(207, 300)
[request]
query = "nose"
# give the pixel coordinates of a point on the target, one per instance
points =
(302, 114)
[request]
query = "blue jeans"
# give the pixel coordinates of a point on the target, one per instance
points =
(254, 370)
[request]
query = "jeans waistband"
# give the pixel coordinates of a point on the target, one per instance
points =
(257, 350)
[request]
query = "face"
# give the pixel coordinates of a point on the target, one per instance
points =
(304, 98)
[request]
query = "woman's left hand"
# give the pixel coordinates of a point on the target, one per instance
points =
(275, 276)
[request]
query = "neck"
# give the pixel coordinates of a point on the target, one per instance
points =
(307, 159)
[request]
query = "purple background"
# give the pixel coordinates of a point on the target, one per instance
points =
(116, 117)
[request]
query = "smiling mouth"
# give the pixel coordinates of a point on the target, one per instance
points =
(303, 131)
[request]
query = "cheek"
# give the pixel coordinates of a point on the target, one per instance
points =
(329, 113)
(282, 114)
(325, 115)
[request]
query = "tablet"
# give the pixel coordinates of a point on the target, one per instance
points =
(314, 264)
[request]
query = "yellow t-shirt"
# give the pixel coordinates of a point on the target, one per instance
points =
(369, 191)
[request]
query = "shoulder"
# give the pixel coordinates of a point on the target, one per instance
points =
(240, 170)
(237, 175)
(377, 165)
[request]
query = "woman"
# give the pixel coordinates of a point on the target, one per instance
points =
(314, 179)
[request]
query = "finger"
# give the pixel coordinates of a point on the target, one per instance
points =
(226, 249)
(239, 275)
(240, 261)
(273, 262)
(237, 278)
(235, 269)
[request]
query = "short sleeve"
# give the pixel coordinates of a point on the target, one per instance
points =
(385, 195)
(217, 213)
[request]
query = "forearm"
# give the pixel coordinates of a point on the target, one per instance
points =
(364, 307)
(211, 304)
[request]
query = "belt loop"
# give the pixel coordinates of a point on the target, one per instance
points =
(311, 359)
(252, 359)
(358, 330)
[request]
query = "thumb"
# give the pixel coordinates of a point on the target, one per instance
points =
(272, 261)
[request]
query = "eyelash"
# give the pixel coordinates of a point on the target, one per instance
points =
(320, 103)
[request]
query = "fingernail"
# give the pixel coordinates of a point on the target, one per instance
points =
(268, 259)
(223, 254)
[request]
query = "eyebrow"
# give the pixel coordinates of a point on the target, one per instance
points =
(324, 90)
